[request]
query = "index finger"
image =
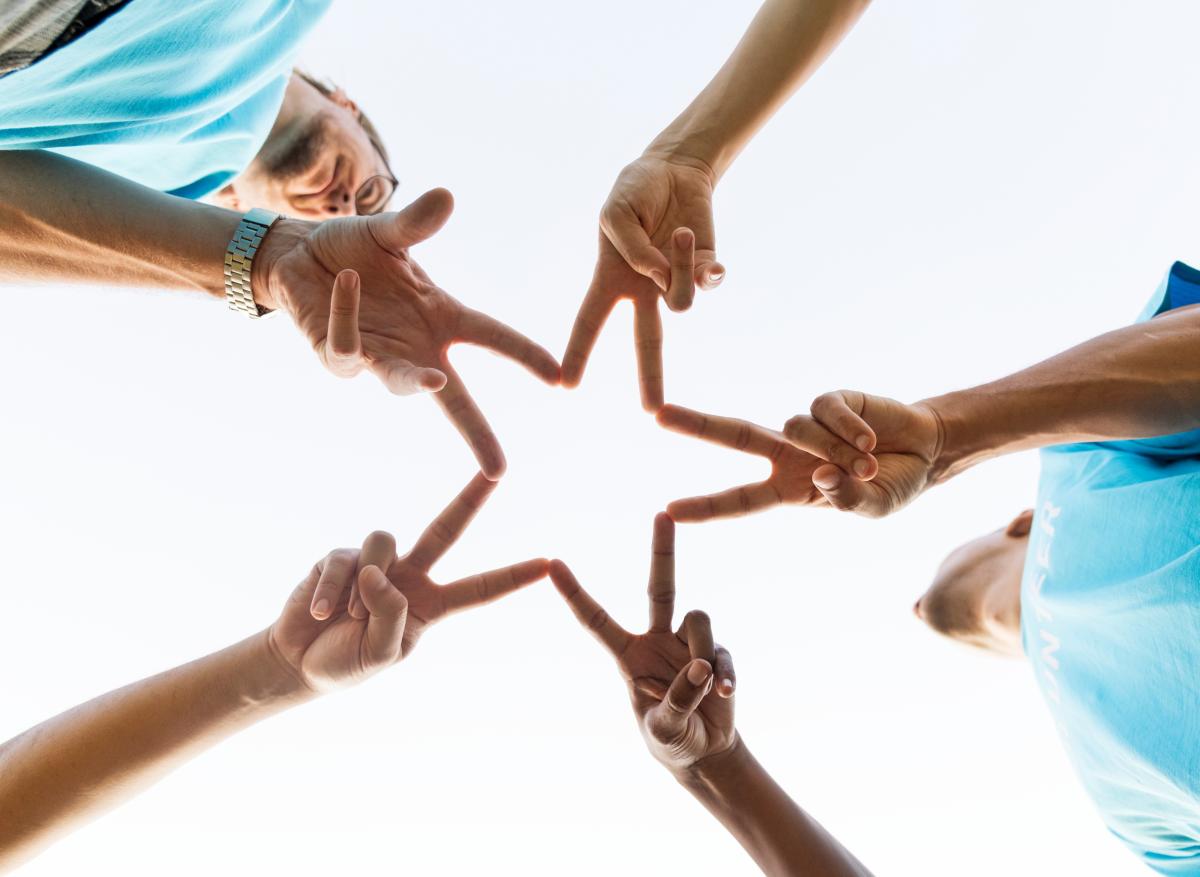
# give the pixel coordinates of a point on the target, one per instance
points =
(476, 327)
(662, 574)
(732, 503)
(451, 523)
(487, 587)
(590, 613)
(728, 432)
(593, 314)
(458, 405)
(648, 336)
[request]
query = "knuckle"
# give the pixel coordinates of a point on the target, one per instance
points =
(742, 440)
(598, 620)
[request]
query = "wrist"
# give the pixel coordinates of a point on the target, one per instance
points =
(699, 151)
(267, 677)
(964, 435)
(718, 771)
(283, 237)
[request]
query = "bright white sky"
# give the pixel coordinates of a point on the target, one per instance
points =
(964, 189)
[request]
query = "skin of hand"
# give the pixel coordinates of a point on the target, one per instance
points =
(656, 238)
(680, 683)
(792, 469)
(906, 440)
(385, 315)
(360, 611)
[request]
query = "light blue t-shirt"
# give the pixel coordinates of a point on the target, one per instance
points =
(177, 95)
(1110, 617)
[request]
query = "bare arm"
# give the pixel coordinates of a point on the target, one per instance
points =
(70, 769)
(782, 838)
(681, 685)
(349, 284)
(657, 236)
(1139, 381)
(348, 619)
(785, 44)
(65, 221)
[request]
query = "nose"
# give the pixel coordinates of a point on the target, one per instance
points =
(339, 202)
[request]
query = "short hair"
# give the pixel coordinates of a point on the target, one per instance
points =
(327, 88)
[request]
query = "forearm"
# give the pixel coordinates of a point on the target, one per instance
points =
(778, 835)
(63, 220)
(785, 43)
(1139, 381)
(77, 765)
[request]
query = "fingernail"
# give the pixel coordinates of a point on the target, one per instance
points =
(697, 673)
(726, 688)
(828, 481)
(659, 278)
(863, 442)
(715, 277)
(861, 467)
(321, 609)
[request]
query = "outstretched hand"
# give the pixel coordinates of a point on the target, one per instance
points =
(656, 238)
(792, 469)
(680, 683)
(384, 313)
(906, 441)
(359, 611)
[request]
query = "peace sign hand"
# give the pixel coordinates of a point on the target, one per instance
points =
(352, 287)
(791, 478)
(360, 611)
(683, 715)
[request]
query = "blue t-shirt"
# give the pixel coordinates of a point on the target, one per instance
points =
(1110, 618)
(175, 95)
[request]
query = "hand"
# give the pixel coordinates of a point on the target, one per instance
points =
(670, 675)
(384, 313)
(360, 611)
(906, 440)
(656, 237)
(792, 470)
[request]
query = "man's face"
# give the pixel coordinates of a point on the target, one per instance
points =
(316, 163)
(975, 597)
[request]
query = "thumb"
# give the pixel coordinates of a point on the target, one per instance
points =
(845, 493)
(622, 227)
(404, 379)
(388, 610)
(669, 719)
(420, 220)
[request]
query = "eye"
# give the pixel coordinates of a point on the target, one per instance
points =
(373, 194)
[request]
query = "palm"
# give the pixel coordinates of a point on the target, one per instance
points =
(388, 317)
(651, 200)
(649, 664)
(682, 719)
(664, 196)
(906, 441)
(331, 635)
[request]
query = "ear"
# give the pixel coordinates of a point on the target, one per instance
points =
(1020, 525)
(339, 97)
(226, 196)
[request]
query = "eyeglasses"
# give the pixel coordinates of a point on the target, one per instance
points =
(373, 195)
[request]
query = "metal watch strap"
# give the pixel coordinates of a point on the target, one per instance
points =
(239, 257)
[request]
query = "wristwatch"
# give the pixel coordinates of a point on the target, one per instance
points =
(239, 257)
